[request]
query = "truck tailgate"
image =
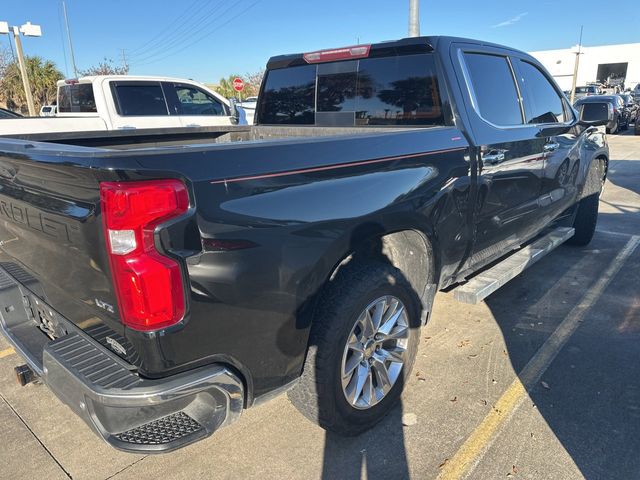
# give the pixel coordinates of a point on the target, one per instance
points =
(51, 238)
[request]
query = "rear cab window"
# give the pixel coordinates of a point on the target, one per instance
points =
(398, 90)
(76, 98)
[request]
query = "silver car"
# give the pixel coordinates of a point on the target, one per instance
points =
(587, 91)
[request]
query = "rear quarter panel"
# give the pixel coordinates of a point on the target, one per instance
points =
(302, 206)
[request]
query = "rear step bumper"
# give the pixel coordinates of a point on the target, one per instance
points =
(129, 412)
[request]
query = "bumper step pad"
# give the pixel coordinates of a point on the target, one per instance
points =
(129, 411)
(164, 430)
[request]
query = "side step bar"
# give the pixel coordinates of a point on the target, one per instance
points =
(486, 282)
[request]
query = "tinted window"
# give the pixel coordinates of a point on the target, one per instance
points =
(544, 103)
(288, 96)
(140, 99)
(76, 98)
(337, 84)
(494, 88)
(398, 90)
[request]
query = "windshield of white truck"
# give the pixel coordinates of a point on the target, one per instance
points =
(76, 98)
(397, 90)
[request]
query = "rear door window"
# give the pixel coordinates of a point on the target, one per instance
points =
(76, 98)
(494, 88)
(139, 99)
(544, 104)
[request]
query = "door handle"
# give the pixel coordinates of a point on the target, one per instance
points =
(493, 158)
(551, 146)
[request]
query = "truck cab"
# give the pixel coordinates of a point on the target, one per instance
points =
(124, 101)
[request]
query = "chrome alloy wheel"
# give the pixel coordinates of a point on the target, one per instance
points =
(375, 353)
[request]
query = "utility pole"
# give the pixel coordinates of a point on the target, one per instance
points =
(575, 67)
(124, 60)
(414, 18)
(66, 22)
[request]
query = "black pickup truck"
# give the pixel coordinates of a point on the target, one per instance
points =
(159, 282)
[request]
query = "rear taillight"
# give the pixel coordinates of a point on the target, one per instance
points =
(148, 285)
(346, 53)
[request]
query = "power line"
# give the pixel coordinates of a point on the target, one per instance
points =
(182, 36)
(167, 36)
(176, 24)
(202, 37)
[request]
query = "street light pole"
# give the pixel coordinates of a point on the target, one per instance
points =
(414, 18)
(23, 72)
(575, 68)
(28, 30)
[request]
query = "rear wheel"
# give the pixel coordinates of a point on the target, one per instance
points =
(363, 344)
(613, 130)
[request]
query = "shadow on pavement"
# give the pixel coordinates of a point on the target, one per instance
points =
(590, 395)
(377, 454)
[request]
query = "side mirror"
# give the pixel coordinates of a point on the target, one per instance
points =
(233, 111)
(595, 114)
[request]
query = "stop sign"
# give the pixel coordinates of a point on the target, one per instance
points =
(238, 84)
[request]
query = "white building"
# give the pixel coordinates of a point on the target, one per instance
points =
(597, 64)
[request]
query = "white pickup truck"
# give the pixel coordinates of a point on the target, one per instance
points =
(116, 102)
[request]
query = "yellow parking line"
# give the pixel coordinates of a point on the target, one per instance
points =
(472, 450)
(6, 352)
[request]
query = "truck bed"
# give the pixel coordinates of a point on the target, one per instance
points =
(145, 138)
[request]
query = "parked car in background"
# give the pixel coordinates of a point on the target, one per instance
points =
(118, 102)
(5, 113)
(631, 106)
(249, 106)
(636, 93)
(48, 110)
(590, 106)
(587, 91)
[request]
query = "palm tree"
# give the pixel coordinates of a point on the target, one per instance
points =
(43, 75)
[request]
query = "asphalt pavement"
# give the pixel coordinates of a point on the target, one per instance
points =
(542, 380)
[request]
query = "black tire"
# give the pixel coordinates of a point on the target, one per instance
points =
(319, 395)
(616, 126)
(585, 221)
